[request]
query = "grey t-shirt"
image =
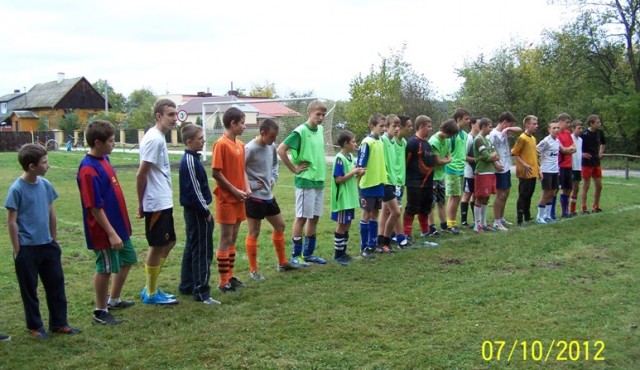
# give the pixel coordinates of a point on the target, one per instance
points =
(261, 165)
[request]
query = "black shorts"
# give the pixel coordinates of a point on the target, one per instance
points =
(469, 185)
(370, 203)
(576, 175)
(159, 228)
(550, 181)
(389, 193)
(503, 180)
(419, 200)
(566, 181)
(260, 208)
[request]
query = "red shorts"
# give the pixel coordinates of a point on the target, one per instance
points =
(230, 213)
(591, 172)
(485, 185)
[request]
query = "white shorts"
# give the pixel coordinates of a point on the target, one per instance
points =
(309, 202)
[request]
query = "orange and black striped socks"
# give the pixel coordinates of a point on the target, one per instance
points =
(223, 267)
(232, 260)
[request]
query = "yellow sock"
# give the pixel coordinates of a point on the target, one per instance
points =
(452, 223)
(162, 261)
(152, 273)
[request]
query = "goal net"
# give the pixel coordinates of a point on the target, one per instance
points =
(287, 113)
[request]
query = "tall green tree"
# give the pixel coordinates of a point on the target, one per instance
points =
(140, 107)
(116, 100)
(268, 90)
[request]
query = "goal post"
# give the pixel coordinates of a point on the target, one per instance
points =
(287, 113)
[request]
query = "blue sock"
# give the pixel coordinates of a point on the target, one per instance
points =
(364, 234)
(400, 238)
(373, 233)
(553, 206)
(297, 246)
(564, 203)
(309, 245)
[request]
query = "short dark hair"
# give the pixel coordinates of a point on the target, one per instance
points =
(484, 122)
(189, 132)
(575, 123)
(344, 137)
(507, 116)
(592, 118)
(374, 119)
(473, 119)
(449, 127)
(232, 114)
(31, 154)
(268, 124)
(160, 104)
(99, 130)
(460, 113)
(404, 120)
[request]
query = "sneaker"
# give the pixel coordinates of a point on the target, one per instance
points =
(427, 243)
(143, 293)
(121, 305)
(236, 283)
(540, 221)
(477, 229)
(550, 220)
(367, 253)
(256, 275)
(39, 334)
(342, 260)
(288, 267)
(488, 228)
(211, 302)
(315, 259)
(299, 261)
(227, 288)
(67, 330)
(104, 318)
(500, 227)
(453, 230)
(596, 210)
(158, 299)
(4, 338)
(505, 222)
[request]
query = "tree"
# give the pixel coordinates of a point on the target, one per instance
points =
(268, 90)
(140, 107)
(68, 123)
(117, 101)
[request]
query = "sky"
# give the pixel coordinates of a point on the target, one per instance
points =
(182, 47)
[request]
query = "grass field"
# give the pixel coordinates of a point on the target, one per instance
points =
(576, 280)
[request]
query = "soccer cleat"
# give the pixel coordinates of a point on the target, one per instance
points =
(389, 249)
(288, 267)
(343, 260)
(227, 288)
(315, 259)
(488, 228)
(159, 299)
(465, 224)
(236, 283)
(4, 338)
(453, 230)
(367, 253)
(121, 305)
(541, 221)
(104, 318)
(477, 229)
(347, 257)
(256, 275)
(143, 293)
(67, 330)
(573, 214)
(585, 212)
(39, 334)
(211, 302)
(505, 222)
(435, 234)
(596, 210)
(550, 220)
(427, 243)
(500, 227)
(297, 260)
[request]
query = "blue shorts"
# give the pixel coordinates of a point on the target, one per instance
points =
(343, 217)
(503, 180)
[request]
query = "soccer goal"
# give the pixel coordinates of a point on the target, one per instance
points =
(287, 113)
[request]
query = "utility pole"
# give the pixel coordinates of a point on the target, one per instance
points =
(106, 97)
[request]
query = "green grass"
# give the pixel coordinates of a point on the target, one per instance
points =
(427, 308)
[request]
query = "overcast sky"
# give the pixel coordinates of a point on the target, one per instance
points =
(188, 46)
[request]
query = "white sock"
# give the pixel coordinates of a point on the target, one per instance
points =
(477, 213)
(547, 211)
(484, 215)
(541, 210)
(114, 301)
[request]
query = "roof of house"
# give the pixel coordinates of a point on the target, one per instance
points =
(48, 94)
(25, 114)
(194, 106)
(9, 97)
(272, 109)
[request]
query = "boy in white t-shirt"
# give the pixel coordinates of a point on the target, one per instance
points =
(576, 165)
(549, 149)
